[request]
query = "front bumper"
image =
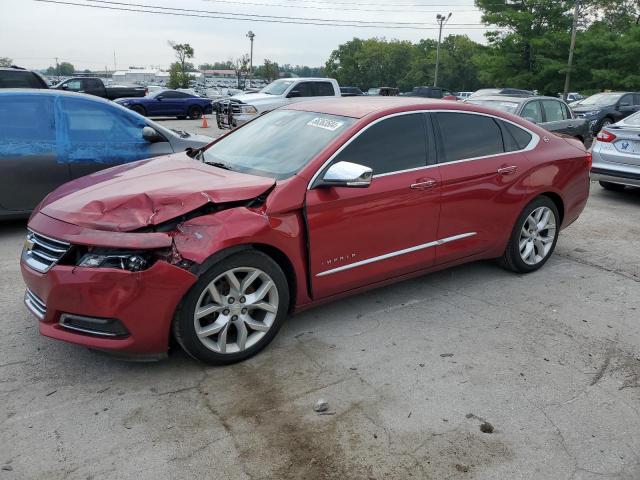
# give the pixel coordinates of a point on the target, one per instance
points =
(144, 302)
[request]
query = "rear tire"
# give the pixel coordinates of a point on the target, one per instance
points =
(181, 117)
(613, 187)
(234, 310)
(533, 238)
(195, 113)
(139, 110)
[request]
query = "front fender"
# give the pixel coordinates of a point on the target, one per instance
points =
(202, 239)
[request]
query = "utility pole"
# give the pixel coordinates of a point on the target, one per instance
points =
(251, 36)
(441, 19)
(115, 67)
(567, 78)
(57, 68)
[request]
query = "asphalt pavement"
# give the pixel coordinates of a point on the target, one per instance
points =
(470, 373)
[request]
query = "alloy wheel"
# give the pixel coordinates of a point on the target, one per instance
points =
(537, 235)
(236, 310)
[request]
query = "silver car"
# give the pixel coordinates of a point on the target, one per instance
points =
(616, 154)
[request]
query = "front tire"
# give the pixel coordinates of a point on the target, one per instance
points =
(533, 238)
(613, 187)
(234, 310)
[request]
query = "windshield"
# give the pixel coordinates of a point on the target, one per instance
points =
(601, 99)
(277, 145)
(277, 88)
(509, 107)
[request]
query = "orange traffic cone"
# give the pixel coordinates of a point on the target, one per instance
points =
(204, 122)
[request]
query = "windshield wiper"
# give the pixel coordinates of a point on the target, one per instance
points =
(220, 165)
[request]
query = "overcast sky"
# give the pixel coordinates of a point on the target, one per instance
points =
(34, 33)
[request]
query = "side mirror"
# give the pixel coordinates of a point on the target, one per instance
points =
(531, 119)
(347, 174)
(150, 135)
(294, 94)
(64, 86)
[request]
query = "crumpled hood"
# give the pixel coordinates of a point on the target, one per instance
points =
(148, 192)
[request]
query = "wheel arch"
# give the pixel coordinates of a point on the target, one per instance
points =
(272, 252)
(557, 200)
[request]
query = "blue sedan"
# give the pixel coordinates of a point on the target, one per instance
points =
(168, 103)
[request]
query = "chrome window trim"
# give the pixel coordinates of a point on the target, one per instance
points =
(396, 253)
(535, 139)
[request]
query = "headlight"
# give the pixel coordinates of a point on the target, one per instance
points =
(592, 112)
(250, 109)
(125, 103)
(130, 261)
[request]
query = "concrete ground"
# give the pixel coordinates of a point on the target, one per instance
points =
(551, 360)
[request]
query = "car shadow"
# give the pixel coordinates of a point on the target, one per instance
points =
(628, 196)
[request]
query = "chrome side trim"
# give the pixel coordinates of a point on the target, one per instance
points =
(535, 139)
(396, 253)
(35, 304)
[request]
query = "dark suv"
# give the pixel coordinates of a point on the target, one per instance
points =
(603, 109)
(16, 77)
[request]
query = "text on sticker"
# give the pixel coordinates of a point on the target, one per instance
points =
(325, 123)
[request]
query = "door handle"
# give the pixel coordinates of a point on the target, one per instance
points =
(424, 185)
(507, 170)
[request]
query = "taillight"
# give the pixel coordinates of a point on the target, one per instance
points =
(589, 159)
(605, 136)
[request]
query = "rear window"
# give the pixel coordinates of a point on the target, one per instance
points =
(515, 137)
(20, 79)
(466, 135)
(324, 89)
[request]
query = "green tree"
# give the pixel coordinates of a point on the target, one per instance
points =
(6, 62)
(179, 76)
(66, 69)
(269, 71)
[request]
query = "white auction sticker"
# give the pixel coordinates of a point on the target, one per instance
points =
(325, 123)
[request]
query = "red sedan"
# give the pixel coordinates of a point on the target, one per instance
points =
(301, 206)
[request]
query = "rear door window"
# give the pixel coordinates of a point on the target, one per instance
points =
(26, 119)
(391, 145)
(532, 111)
(324, 89)
(553, 111)
(466, 135)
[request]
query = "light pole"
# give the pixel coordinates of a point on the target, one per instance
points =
(251, 36)
(567, 78)
(441, 20)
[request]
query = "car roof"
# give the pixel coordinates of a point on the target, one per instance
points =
(508, 98)
(52, 92)
(359, 107)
